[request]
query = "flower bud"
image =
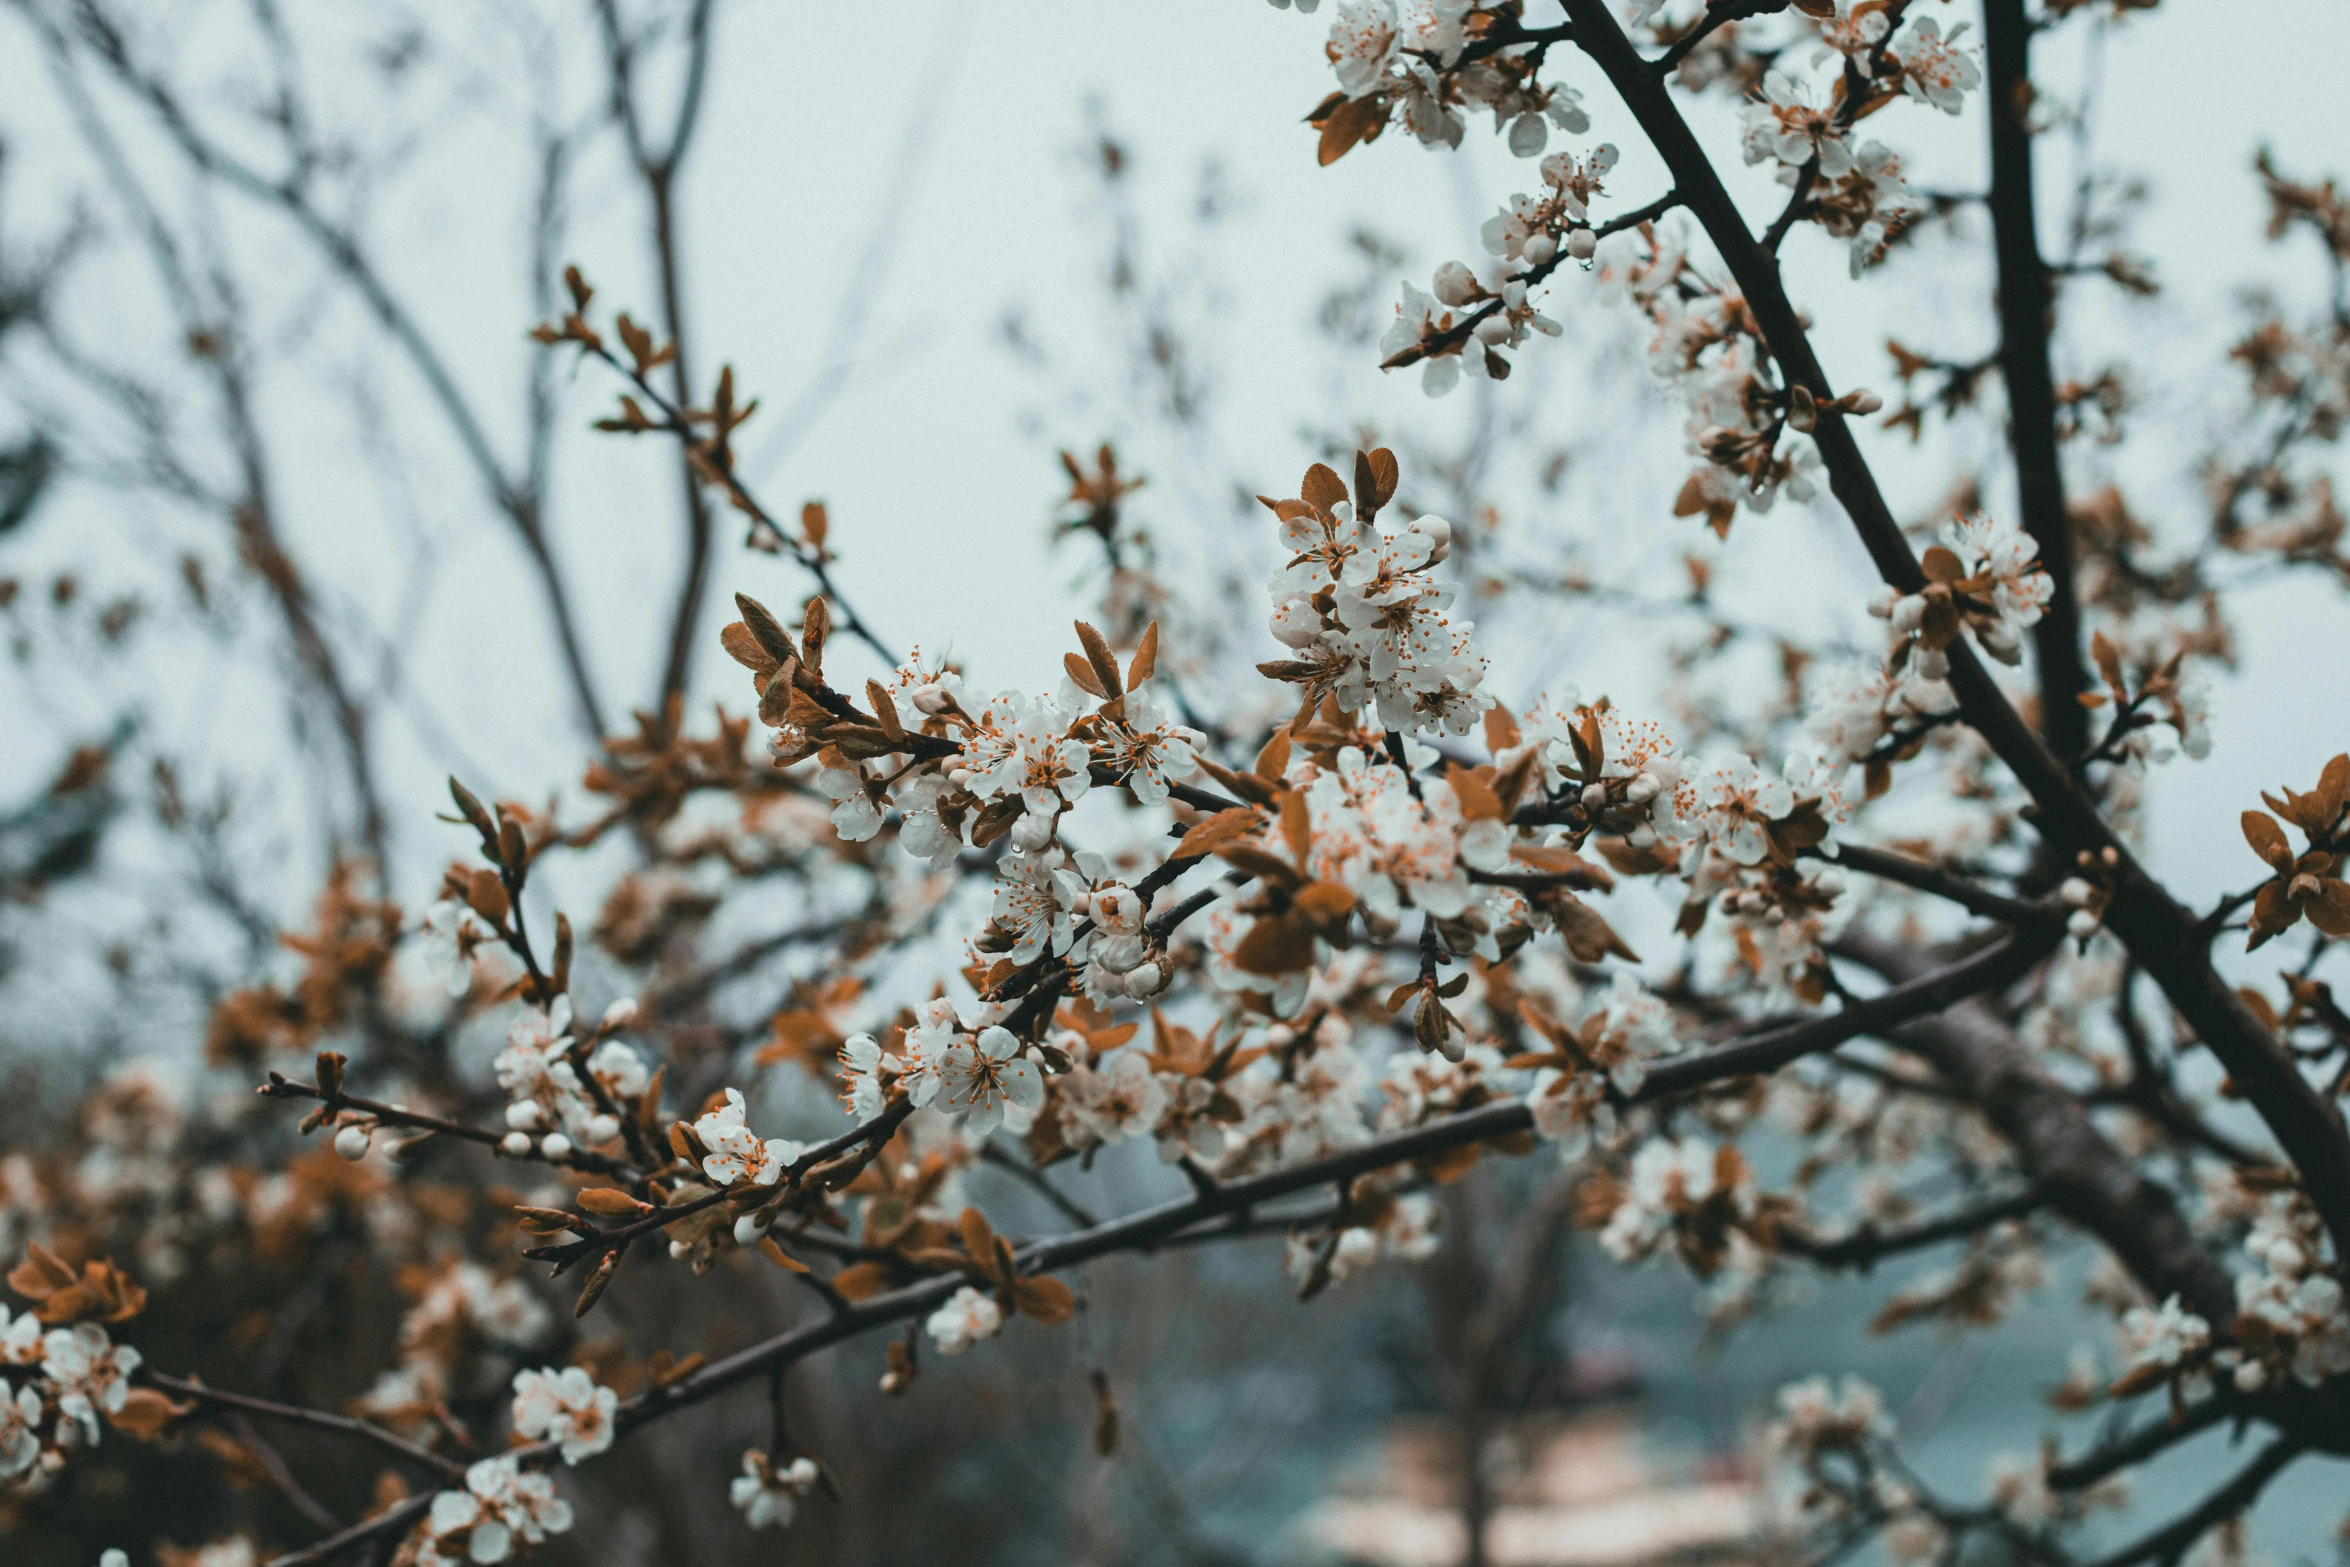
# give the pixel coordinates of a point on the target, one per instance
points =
(1539, 249)
(1438, 533)
(619, 1015)
(931, 700)
(2081, 924)
(515, 1145)
(1643, 788)
(1882, 601)
(1594, 796)
(1297, 623)
(603, 1128)
(1455, 285)
(351, 1143)
(555, 1145)
(523, 1115)
(2076, 892)
(1908, 613)
(1581, 244)
(747, 1231)
(1493, 329)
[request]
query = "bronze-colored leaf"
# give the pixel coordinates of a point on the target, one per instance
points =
(1044, 1299)
(1082, 673)
(2268, 841)
(1323, 488)
(611, 1202)
(1106, 679)
(860, 1280)
(1145, 662)
(766, 629)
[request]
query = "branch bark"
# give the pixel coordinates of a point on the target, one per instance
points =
(2027, 307)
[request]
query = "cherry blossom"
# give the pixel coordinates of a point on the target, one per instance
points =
(987, 1083)
(1933, 68)
(566, 1407)
(968, 1317)
(737, 1154)
(89, 1373)
(20, 1430)
(767, 1494)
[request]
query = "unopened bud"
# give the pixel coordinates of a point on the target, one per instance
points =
(523, 1115)
(603, 1128)
(1581, 244)
(1455, 285)
(1594, 796)
(1540, 250)
(2076, 892)
(555, 1145)
(619, 1014)
(515, 1145)
(747, 1231)
(2081, 923)
(351, 1143)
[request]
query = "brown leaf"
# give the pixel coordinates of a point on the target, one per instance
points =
(861, 1281)
(1323, 488)
(766, 630)
(1354, 120)
(1473, 787)
(611, 1202)
(886, 710)
(1224, 827)
(774, 1253)
(815, 627)
(1275, 944)
(1588, 935)
(1044, 1299)
(1145, 662)
(487, 894)
(978, 1239)
(815, 523)
(2329, 911)
(2268, 841)
(145, 1412)
(1082, 672)
(1273, 760)
(593, 1290)
(1384, 477)
(1097, 653)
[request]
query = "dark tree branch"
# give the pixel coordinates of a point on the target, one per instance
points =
(1888, 866)
(2027, 307)
(2172, 1541)
(317, 1419)
(1865, 1247)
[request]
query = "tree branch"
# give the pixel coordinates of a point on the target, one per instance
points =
(2026, 309)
